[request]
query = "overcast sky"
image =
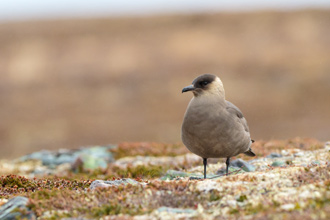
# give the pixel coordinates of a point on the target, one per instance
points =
(36, 9)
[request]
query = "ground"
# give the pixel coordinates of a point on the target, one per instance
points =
(290, 180)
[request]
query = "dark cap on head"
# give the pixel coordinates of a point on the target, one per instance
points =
(203, 80)
(200, 83)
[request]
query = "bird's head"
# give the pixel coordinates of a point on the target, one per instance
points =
(206, 84)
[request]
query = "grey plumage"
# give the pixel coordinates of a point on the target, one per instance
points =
(214, 127)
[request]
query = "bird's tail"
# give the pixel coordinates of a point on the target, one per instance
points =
(250, 153)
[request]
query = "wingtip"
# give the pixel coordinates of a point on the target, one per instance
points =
(250, 153)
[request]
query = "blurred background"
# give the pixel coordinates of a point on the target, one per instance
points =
(77, 73)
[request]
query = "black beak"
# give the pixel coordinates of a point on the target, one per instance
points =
(188, 88)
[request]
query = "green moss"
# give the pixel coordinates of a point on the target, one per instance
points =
(107, 209)
(141, 171)
(233, 211)
(14, 181)
(297, 206)
(276, 204)
(214, 196)
(115, 209)
(241, 198)
(254, 209)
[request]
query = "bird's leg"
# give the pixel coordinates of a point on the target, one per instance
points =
(227, 163)
(205, 163)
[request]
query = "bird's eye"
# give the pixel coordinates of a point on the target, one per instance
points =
(204, 83)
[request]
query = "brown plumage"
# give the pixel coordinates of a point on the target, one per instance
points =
(214, 127)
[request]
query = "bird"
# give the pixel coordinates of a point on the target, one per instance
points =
(212, 126)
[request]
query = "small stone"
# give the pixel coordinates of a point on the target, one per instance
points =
(3, 201)
(90, 162)
(299, 154)
(231, 170)
(209, 185)
(97, 152)
(274, 155)
(47, 157)
(175, 210)
(173, 174)
(75, 218)
(64, 158)
(10, 210)
(101, 183)
(243, 164)
(278, 163)
(316, 162)
(93, 157)
(287, 207)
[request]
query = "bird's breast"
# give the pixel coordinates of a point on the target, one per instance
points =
(209, 132)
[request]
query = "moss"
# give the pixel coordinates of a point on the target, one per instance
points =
(254, 209)
(297, 206)
(141, 171)
(214, 196)
(18, 185)
(107, 209)
(233, 211)
(115, 209)
(241, 198)
(276, 204)
(14, 181)
(69, 197)
(113, 171)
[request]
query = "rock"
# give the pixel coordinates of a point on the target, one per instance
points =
(173, 213)
(237, 166)
(274, 155)
(91, 157)
(103, 184)
(75, 218)
(278, 163)
(290, 152)
(175, 210)
(91, 162)
(94, 157)
(231, 170)
(98, 151)
(299, 154)
(10, 210)
(173, 174)
(316, 162)
(243, 164)
(45, 156)
(288, 207)
(64, 158)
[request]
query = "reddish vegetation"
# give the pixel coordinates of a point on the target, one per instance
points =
(291, 191)
(12, 185)
(148, 149)
(261, 148)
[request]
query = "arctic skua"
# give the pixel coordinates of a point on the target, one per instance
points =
(212, 126)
